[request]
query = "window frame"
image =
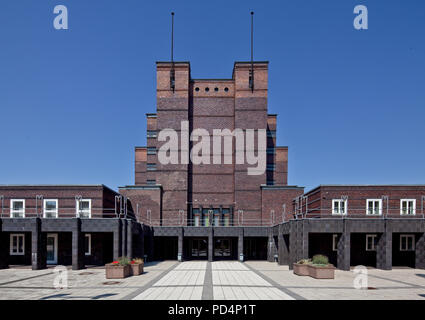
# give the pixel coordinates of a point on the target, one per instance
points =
(44, 208)
(11, 207)
(380, 207)
(77, 209)
(401, 207)
(334, 242)
(407, 236)
(339, 202)
(374, 242)
(18, 235)
(87, 235)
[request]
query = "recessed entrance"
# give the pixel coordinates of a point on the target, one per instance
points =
(225, 248)
(196, 248)
(255, 248)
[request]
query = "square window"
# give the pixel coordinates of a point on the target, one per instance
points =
(50, 208)
(17, 244)
(17, 208)
(407, 242)
(408, 207)
(83, 208)
(339, 206)
(371, 242)
(374, 207)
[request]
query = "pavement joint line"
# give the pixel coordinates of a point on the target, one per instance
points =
(150, 283)
(207, 291)
(275, 284)
(398, 281)
(28, 278)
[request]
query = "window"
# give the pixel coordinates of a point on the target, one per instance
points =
(339, 206)
(151, 150)
(216, 89)
(216, 217)
(408, 207)
(87, 244)
(371, 242)
(407, 242)
(151, 182)
(226, 89)
(207, 89)
(17, 244)
(334, 242)
(151, 167)
(270, 150)
(50, 209)
(151, 134)
(17, 208)
(83, 208)
(206, 217)
(196, 217)
(271, 167)
(270, 182)
(271, 133)
(374, 207)
(226, 217)
(196, 89)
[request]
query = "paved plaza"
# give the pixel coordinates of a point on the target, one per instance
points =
(202, 280)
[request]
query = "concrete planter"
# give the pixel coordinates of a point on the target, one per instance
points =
(321, 272)
(117, 272)
(137, 269)
(301, 269)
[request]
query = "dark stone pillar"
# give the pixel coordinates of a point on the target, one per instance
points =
(293, 256)
(117, 240)
(180, 245)
(124, 237)
(77, 245)
(38, 246)
(304, 232)
(384, 248)
(240, 245)
(343, 248)
(283, 247)
(420, 252)
(130, 239)
(210, 244)
(4, 248)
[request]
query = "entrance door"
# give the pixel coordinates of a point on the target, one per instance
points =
(199, 248)
(222, 248)
(52, 248)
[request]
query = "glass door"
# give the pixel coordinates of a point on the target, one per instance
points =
(52, 248)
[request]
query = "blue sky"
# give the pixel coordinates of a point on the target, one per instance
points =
(350, 104)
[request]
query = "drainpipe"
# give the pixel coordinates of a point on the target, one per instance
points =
(78, 199)
(283, 212)
(38, 197)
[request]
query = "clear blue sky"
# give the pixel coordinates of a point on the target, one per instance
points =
(351, 104)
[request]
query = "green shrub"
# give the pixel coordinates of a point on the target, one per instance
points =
(320, 259)
(123, 261)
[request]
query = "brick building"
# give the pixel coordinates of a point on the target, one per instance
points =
(212, 210)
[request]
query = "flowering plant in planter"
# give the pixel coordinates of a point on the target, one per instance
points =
(118, 269)
(137, 266)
